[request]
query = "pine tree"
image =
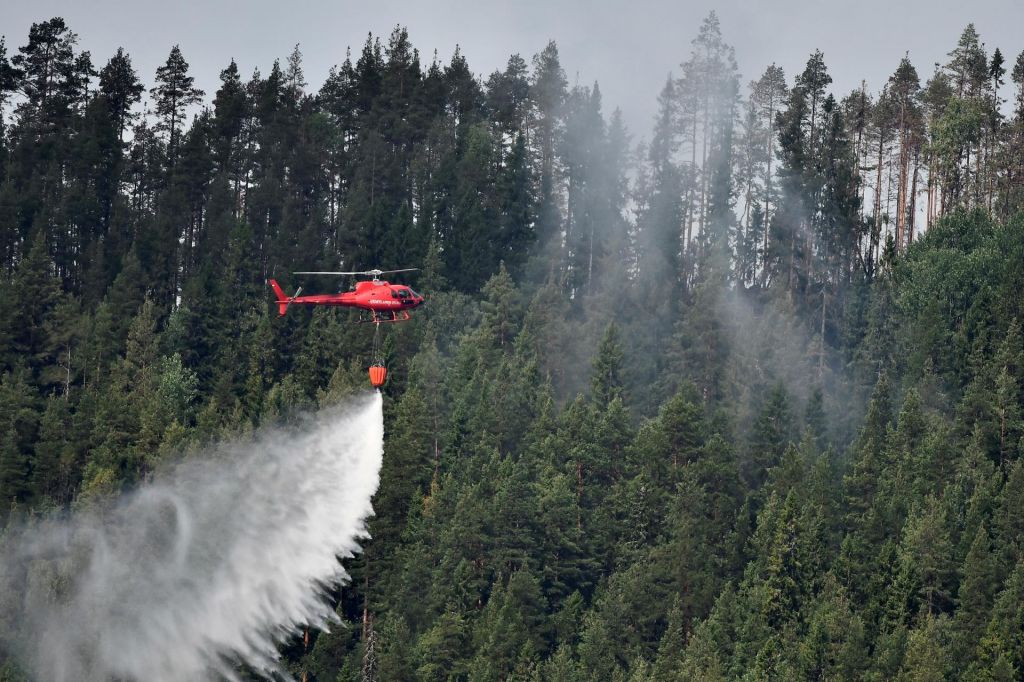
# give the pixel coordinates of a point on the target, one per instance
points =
(173, 95)
(660, 213)
(548, 89)
(904, 88)
(230, 108)
(516, 207)
(470, 255)
(968, 63)
(121, 90)
(768, 96)
(43, 67)
(8, 75)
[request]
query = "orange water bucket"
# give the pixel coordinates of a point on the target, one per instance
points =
(378, 373)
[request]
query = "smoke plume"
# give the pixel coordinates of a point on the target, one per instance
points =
(214, 562)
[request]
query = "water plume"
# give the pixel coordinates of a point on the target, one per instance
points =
(212, 563)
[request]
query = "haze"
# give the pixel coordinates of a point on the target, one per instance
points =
(629, 47)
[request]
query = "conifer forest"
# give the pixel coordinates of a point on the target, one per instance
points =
(740, 396)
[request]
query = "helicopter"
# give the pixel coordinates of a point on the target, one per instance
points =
(383, 301)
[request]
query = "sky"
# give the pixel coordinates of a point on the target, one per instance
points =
(628, 46)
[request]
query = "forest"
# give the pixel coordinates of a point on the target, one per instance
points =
(738, 397)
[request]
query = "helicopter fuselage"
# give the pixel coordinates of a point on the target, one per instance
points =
(375, 296)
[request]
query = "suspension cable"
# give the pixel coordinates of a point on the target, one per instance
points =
(376, 354)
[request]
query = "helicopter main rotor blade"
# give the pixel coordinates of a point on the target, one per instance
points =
(373, 273)
(328, 273)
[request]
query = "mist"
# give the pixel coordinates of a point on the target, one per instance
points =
(210, 564)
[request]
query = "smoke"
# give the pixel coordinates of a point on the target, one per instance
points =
(213, 563)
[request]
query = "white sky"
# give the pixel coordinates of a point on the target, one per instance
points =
(628, 46)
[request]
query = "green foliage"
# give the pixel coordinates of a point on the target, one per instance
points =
(172, 95)
(606, 378)
(632, 435)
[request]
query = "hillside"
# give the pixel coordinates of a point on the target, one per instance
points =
(743, 401)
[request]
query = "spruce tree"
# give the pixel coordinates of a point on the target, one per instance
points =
(606, 373)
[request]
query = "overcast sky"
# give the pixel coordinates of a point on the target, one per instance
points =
(628, 46)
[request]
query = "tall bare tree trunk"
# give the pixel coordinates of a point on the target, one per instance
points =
(704, 169)
(768, 188)
(901, 187)
(821, 343)
(912, 218)
(933, 200)
(965, 190)
(692, 190)
(876, 236)
(767, 213)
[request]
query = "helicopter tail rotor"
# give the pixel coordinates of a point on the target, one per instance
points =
(283, 300)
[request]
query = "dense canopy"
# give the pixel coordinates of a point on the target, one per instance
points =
(740, 399)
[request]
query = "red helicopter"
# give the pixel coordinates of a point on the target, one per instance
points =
(385, 302)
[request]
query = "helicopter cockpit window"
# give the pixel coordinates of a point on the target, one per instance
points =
(403, 293)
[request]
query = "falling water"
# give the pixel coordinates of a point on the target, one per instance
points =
(214, 562)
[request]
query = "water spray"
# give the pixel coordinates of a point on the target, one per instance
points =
(214, 563)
